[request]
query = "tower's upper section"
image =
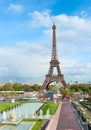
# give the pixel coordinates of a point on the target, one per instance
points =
(54, 50)
(54, 26)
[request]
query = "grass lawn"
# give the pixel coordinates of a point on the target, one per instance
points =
(6, 106)
(37, 125)
(51, 106)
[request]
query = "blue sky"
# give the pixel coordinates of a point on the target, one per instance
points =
(26, 39)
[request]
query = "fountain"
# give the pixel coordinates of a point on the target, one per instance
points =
(13, 118)
(4, 116)
(26, 114)
(48, 114)
(41, 113)
(13, 100)
(34, 116)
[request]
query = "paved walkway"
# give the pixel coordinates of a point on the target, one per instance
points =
(64, 119)
(54, 121)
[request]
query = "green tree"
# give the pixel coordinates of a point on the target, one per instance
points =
(36, 87)
(89, 92)
(65, 92)
(53, 87)
(17, 87)
(79, 87)
(7, 87)
(27, 87)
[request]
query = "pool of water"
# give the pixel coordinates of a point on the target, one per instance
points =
(21, 126)
(27, 110)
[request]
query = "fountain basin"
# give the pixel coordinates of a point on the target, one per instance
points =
(21, 126)
(13, 119)
(27, 110)
(12, 122)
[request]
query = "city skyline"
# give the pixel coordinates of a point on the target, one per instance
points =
(26, 39)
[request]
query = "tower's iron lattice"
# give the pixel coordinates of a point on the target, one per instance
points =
(54, 63)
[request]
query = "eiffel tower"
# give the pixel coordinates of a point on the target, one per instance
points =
(54, 63)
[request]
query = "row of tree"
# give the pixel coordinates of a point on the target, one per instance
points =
(69, 91)
(72, 89)
(20, 87)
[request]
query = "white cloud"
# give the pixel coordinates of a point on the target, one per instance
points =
(73, 42)
(69, 28)
(40, 19)
(31, 59)
(30, 46)
(15, 8)
(18, 64)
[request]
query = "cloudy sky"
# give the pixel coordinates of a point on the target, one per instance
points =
(26, 39)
